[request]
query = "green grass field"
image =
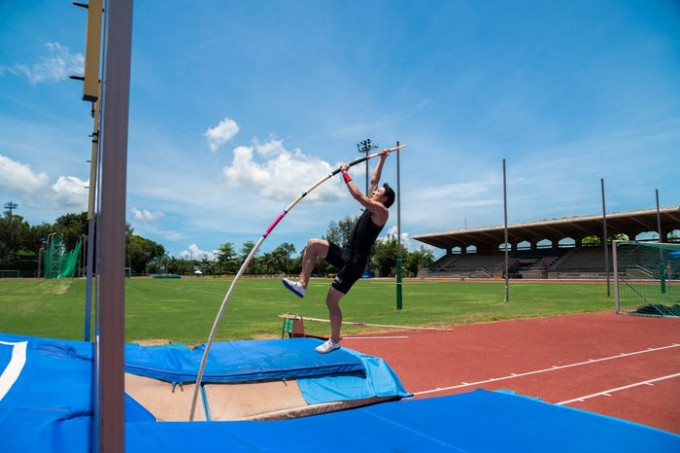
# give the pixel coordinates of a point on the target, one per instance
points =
(183, 310)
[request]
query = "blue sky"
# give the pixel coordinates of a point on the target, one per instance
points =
(236, 107)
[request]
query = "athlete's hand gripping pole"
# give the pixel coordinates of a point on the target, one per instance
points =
(244, 266)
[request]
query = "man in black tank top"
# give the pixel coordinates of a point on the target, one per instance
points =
(350, 260)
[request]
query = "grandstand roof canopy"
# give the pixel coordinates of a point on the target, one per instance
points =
(630, 223)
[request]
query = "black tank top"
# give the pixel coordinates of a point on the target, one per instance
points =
(362, 237)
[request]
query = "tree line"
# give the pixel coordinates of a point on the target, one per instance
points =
(21, 245)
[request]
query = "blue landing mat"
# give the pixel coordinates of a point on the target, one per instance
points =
(45, 405)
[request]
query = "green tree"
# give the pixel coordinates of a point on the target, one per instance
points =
(227, 260)
(420, 257)
(36, 237)
(385, 255)
(14, 240)
(339, 232)
(141, 251)
(207, 266)
(591, 241)
(246, 248)
(71, 227)
(281, 258)
(10, 226)
(179, 266)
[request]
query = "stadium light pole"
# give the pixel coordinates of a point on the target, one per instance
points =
(662, 275)
(365, 146)
(604, 237)
(10, 206)
(658, 215)
(505, 222)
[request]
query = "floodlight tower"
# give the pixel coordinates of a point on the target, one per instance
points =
(365, 146)
(10, 206)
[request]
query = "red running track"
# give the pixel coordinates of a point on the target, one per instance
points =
(626, 367)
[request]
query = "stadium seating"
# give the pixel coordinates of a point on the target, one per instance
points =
(564, 263)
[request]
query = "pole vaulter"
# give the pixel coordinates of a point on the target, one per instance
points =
(250, 256)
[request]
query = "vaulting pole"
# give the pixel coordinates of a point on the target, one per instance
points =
(250, 256)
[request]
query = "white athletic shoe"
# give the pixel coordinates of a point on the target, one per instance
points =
(328, 346)
(295, 287)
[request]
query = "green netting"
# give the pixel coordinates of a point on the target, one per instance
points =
(648, 277)
(659, 310)
(60, 263)
(9, 273)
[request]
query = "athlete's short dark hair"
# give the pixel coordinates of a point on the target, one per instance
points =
(389, 193)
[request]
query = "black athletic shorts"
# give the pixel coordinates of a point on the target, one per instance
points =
(349, 271)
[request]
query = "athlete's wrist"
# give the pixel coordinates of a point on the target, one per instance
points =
(346, 177)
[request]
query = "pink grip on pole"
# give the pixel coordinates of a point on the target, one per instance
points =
(274, 223)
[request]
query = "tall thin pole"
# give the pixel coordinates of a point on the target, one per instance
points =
(88, 277)
(40, 261)
(662, 268)
(604, 237)
(617, 300)
(365, 147)
(114, 141)
(399, 254)
(658, 216)
(92, 197)
(505, 222)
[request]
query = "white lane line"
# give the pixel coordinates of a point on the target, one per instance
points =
(14, 367)
(618, 389)
(545, 370)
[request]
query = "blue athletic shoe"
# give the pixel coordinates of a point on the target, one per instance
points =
(295, 287)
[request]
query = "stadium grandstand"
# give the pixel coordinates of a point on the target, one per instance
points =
(551, 248)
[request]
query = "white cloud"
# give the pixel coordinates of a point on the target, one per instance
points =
(71, 192)
(58, 65)
(406, 241)
(19, 177)
(145, 215)
(195, 253)
(280, 174)
(221, 134)
(169, 234)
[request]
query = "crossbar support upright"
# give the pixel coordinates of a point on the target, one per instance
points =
(110, 403)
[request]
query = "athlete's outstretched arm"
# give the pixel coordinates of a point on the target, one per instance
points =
(377, 172)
